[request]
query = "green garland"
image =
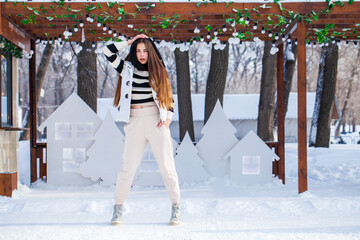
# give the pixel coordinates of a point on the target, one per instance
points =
(275, 22)
(10, 48)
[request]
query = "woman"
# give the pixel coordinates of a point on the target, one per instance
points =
(145, 101)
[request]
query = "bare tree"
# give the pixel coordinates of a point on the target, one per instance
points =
(265, 127)
(184, 94)
(215, 84)
(325, 95)
(87, 75)
(349, 92)
(40, 76)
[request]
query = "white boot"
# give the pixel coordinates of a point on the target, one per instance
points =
(175, 214)
(117, 215)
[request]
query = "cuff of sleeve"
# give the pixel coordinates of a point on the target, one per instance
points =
(169, 115)
(120, 45)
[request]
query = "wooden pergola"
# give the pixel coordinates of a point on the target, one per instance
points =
(25, 24)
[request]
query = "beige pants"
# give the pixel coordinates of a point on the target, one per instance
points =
(141, 129)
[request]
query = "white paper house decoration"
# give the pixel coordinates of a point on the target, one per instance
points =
(189, 166)
(105, 154)
(251, 161)
(70, 130)
(218, 139)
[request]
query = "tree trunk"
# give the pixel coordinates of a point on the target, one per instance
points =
(186, 123)
(87, 75)
(325, 95)
(215, 84)
(347, 97)
(40, 76)
(265, 124)
(353, 121)
(344, 109)
(290, 57)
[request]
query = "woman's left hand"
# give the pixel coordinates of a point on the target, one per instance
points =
(166, 123)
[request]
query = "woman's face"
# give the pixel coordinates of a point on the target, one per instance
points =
(141, 53)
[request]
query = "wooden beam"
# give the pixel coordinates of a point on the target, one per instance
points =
(13, 33)
(33, 128)
(302, 144)
(280, 108)
(288, 31)
(185, 8)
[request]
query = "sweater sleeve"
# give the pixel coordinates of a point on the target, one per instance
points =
(110, 51)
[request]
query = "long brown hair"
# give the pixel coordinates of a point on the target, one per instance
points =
(158, 76)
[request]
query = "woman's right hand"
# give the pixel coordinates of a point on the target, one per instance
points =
(136, 37)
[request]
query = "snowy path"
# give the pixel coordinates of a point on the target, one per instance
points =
(217, 209)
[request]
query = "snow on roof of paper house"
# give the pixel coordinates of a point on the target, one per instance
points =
(239, 106)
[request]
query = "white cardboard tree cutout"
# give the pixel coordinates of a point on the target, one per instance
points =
(251, 161)
(218, 138)
(70, 131)
(105, 154)
(189, 165)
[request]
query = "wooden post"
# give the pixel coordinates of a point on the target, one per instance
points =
(281, 112)
(32, 94)
(8, 183)
(302, 147)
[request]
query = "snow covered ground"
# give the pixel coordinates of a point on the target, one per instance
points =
(217, 209)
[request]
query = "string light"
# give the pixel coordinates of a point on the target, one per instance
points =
(115, 34)
(247, 20)
(262, 30)
(346, 43)
(289, 39)
(283, 38)
(224, 28)
(356, 44)
(314, 44)
(99, 24)
(88, 18)
(110, 31)
(270, 33)
(208, 35)
(104, 26)
(76, 28)
(81, 23)
(338, 42)
(93, 44)
(255, 26)
(276, 36)
(296, 41)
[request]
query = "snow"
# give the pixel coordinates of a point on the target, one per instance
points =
(216, 209)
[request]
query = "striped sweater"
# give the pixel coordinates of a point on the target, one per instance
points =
(141, 91)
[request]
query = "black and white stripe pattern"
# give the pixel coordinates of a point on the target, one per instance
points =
(141, 91)
(110, 52)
